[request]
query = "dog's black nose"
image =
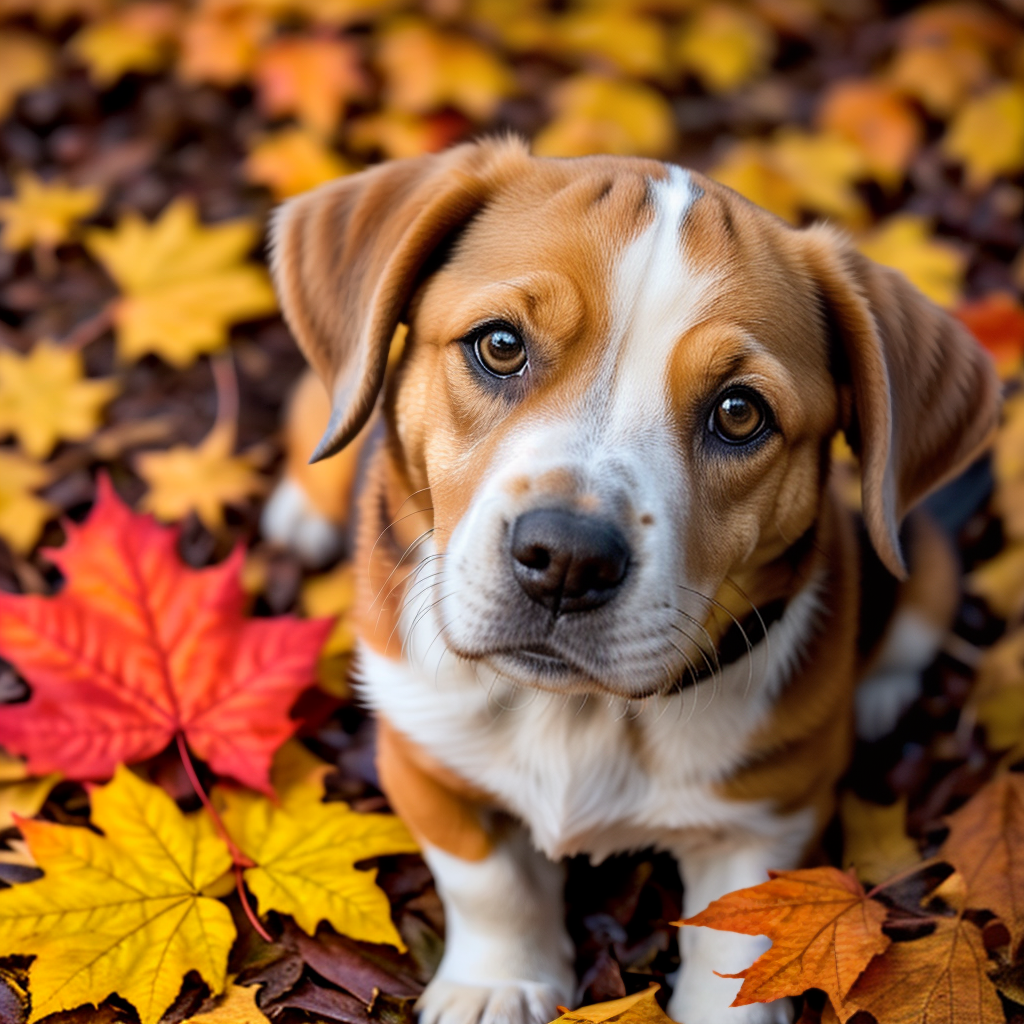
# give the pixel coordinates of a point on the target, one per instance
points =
(568, 562)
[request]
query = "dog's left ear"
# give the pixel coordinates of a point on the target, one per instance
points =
(347, 256)
(919, 397)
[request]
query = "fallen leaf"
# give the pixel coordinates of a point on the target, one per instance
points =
(998, 695)
(184, 283)
(45, 398)
(997, 321)
(874, 118)
(875, 840)
(306, 850)
(987, 135)
(1008, 469)
(236, 1006)
(639, 1008)
(25, 62)
(398, 135)
(137, 648)
(22, 514)
(221, 45)
(310, 77)
(725, 47)
(333, 594)
(291, 161)
(426, 69)
(824, 932)
(822, 167)
(21, 795)
(940, 75)
(137, 38)
(986, 846)
(630, 42)
(750, 168)
(905, 243)
(202, 479)
(53, 13)
(939, 979)
(44, 213)
(594, 114)
(122, 912)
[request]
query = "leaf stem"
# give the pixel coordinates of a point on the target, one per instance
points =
(239, 861)
(225, 382)
(89, 330)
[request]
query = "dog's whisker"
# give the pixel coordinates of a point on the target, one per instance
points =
(739, 625)
(393, 523)
(764, 628)
(398, 565)
(410, 582)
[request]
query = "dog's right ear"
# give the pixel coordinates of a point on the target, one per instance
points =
(346, 257)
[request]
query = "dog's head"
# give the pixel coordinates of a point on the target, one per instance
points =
(620, 385)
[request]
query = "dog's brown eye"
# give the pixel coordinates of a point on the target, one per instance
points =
(739, 416)
(502, 352)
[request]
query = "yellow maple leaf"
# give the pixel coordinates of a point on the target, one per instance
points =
(987, 135)
(875, 840)
(750, 168)
(333, 594)
(905, 243)
(25, 62)
(44, 213)
(19, 794)
(184, 283)
(998, 697)
(306, 851)
(1008, 469)
(822, 167)
(22, 514)
(136, 38)
(44, 397)
(123, 912)
(236, 1006)
(293, 160)
(1000, 581)
(221, 44)
(595, 114)
(725, 47)
(632, 43)
(398, 134)
(940, 76)
(425, 69)
(202, 479)
(312, 78)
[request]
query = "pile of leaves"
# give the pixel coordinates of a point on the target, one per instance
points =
(187, 785)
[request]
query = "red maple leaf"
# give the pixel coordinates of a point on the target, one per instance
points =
(138, 647)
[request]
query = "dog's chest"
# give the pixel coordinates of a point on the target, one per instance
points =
(585, 775)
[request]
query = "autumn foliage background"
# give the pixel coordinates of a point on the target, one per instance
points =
(143, 367)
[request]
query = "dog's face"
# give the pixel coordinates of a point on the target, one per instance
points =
(620, 386)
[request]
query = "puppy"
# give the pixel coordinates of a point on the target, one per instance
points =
(608, 597)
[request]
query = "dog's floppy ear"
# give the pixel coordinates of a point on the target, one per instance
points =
(346, 256)
(919, 397)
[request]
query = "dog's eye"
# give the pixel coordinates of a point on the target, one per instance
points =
(738, 417)
(501, 351)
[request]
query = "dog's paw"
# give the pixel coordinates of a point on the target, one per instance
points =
(881, 700)
(510, 1002)
(289, 519)
(706, 1007)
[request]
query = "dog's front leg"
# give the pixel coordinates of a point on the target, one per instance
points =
(507, 956)
(710, 871)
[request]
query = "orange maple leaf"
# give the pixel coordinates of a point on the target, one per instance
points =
(997, 321)
(138, 648)
(986, 845)
(824, 931)
(940, 979)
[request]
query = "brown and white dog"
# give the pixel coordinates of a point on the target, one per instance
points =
(608, 596)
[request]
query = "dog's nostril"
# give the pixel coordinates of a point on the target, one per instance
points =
(566, 561)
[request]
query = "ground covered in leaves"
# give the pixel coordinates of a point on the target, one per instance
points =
(143, 369)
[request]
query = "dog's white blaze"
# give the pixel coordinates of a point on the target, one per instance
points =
(655, 297)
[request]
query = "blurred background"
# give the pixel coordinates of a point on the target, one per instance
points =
(143, 144)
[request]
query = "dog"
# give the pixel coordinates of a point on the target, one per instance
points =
(608, 596)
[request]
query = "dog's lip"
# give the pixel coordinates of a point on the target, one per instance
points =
(540, 654)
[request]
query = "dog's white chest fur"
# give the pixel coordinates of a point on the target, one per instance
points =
(591, 774)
